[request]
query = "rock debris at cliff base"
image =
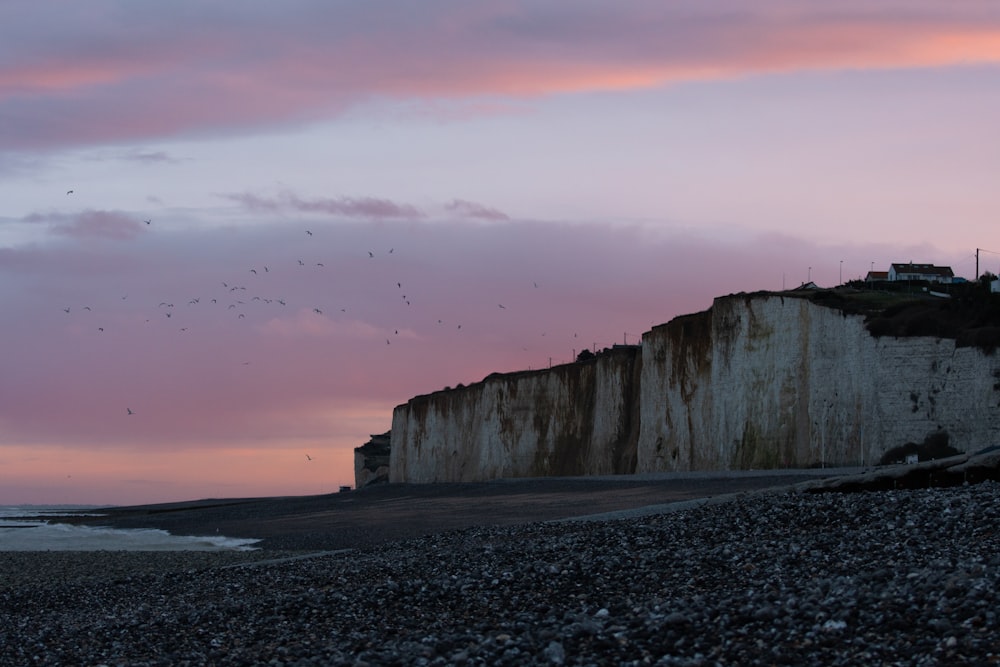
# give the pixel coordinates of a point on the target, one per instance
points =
(906, 577)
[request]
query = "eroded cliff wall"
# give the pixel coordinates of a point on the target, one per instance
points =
(757, 381)
(763, 381)
(573, 419)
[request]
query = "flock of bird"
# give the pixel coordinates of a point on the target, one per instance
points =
(244, 298)
(234, 294)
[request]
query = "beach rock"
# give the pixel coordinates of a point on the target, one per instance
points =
(901, 577)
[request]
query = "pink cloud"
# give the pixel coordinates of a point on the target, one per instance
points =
(140, 157)
(310, 323)
(473, 210)
(354, 207)
(362, 207)
(97, 224)
(254, 202)
(127, 76)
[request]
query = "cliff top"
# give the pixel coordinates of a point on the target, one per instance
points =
(966, 313)
(583, 358)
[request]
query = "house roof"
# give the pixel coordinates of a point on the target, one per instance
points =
(924, 269)
(878, 275)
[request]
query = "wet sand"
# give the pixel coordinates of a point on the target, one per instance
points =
(383, 513)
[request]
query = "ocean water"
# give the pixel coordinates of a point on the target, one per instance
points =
(37, 528)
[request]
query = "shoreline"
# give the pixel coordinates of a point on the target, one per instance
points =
(387, 512)
(382, 513)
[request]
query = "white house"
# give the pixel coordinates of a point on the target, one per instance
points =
(928, 272)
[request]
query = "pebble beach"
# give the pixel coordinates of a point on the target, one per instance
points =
(904, 577)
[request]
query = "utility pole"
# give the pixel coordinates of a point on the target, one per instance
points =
(979, 250)
(841, 272)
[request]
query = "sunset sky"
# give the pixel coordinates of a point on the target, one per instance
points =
(260, 226)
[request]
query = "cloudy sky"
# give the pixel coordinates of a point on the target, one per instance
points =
(260, 226)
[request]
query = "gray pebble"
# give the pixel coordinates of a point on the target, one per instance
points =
(791, 578)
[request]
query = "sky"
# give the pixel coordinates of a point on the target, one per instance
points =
(235, 235)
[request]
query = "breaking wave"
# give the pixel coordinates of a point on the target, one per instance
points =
(32, 536)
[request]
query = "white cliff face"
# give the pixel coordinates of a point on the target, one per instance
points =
(783, 382)
(575, 419)
(759, 381)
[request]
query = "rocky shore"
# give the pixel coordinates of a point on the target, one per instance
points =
(895, 577)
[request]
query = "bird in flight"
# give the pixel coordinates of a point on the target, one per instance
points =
(371, 254)
(69, 192)
(148, 222)
(309, 458)
(317, 311)
(130, 411)
(309, 233)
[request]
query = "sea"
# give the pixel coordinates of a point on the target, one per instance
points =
(37, 528)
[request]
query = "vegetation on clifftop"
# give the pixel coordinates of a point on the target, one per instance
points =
(969, 314)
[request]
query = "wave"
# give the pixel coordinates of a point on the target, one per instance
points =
(29, 536)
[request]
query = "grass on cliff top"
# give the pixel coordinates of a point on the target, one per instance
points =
(970, 316)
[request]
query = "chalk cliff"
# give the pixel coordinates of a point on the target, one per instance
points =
(573, 419)
(757, 381)
(772, 381)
